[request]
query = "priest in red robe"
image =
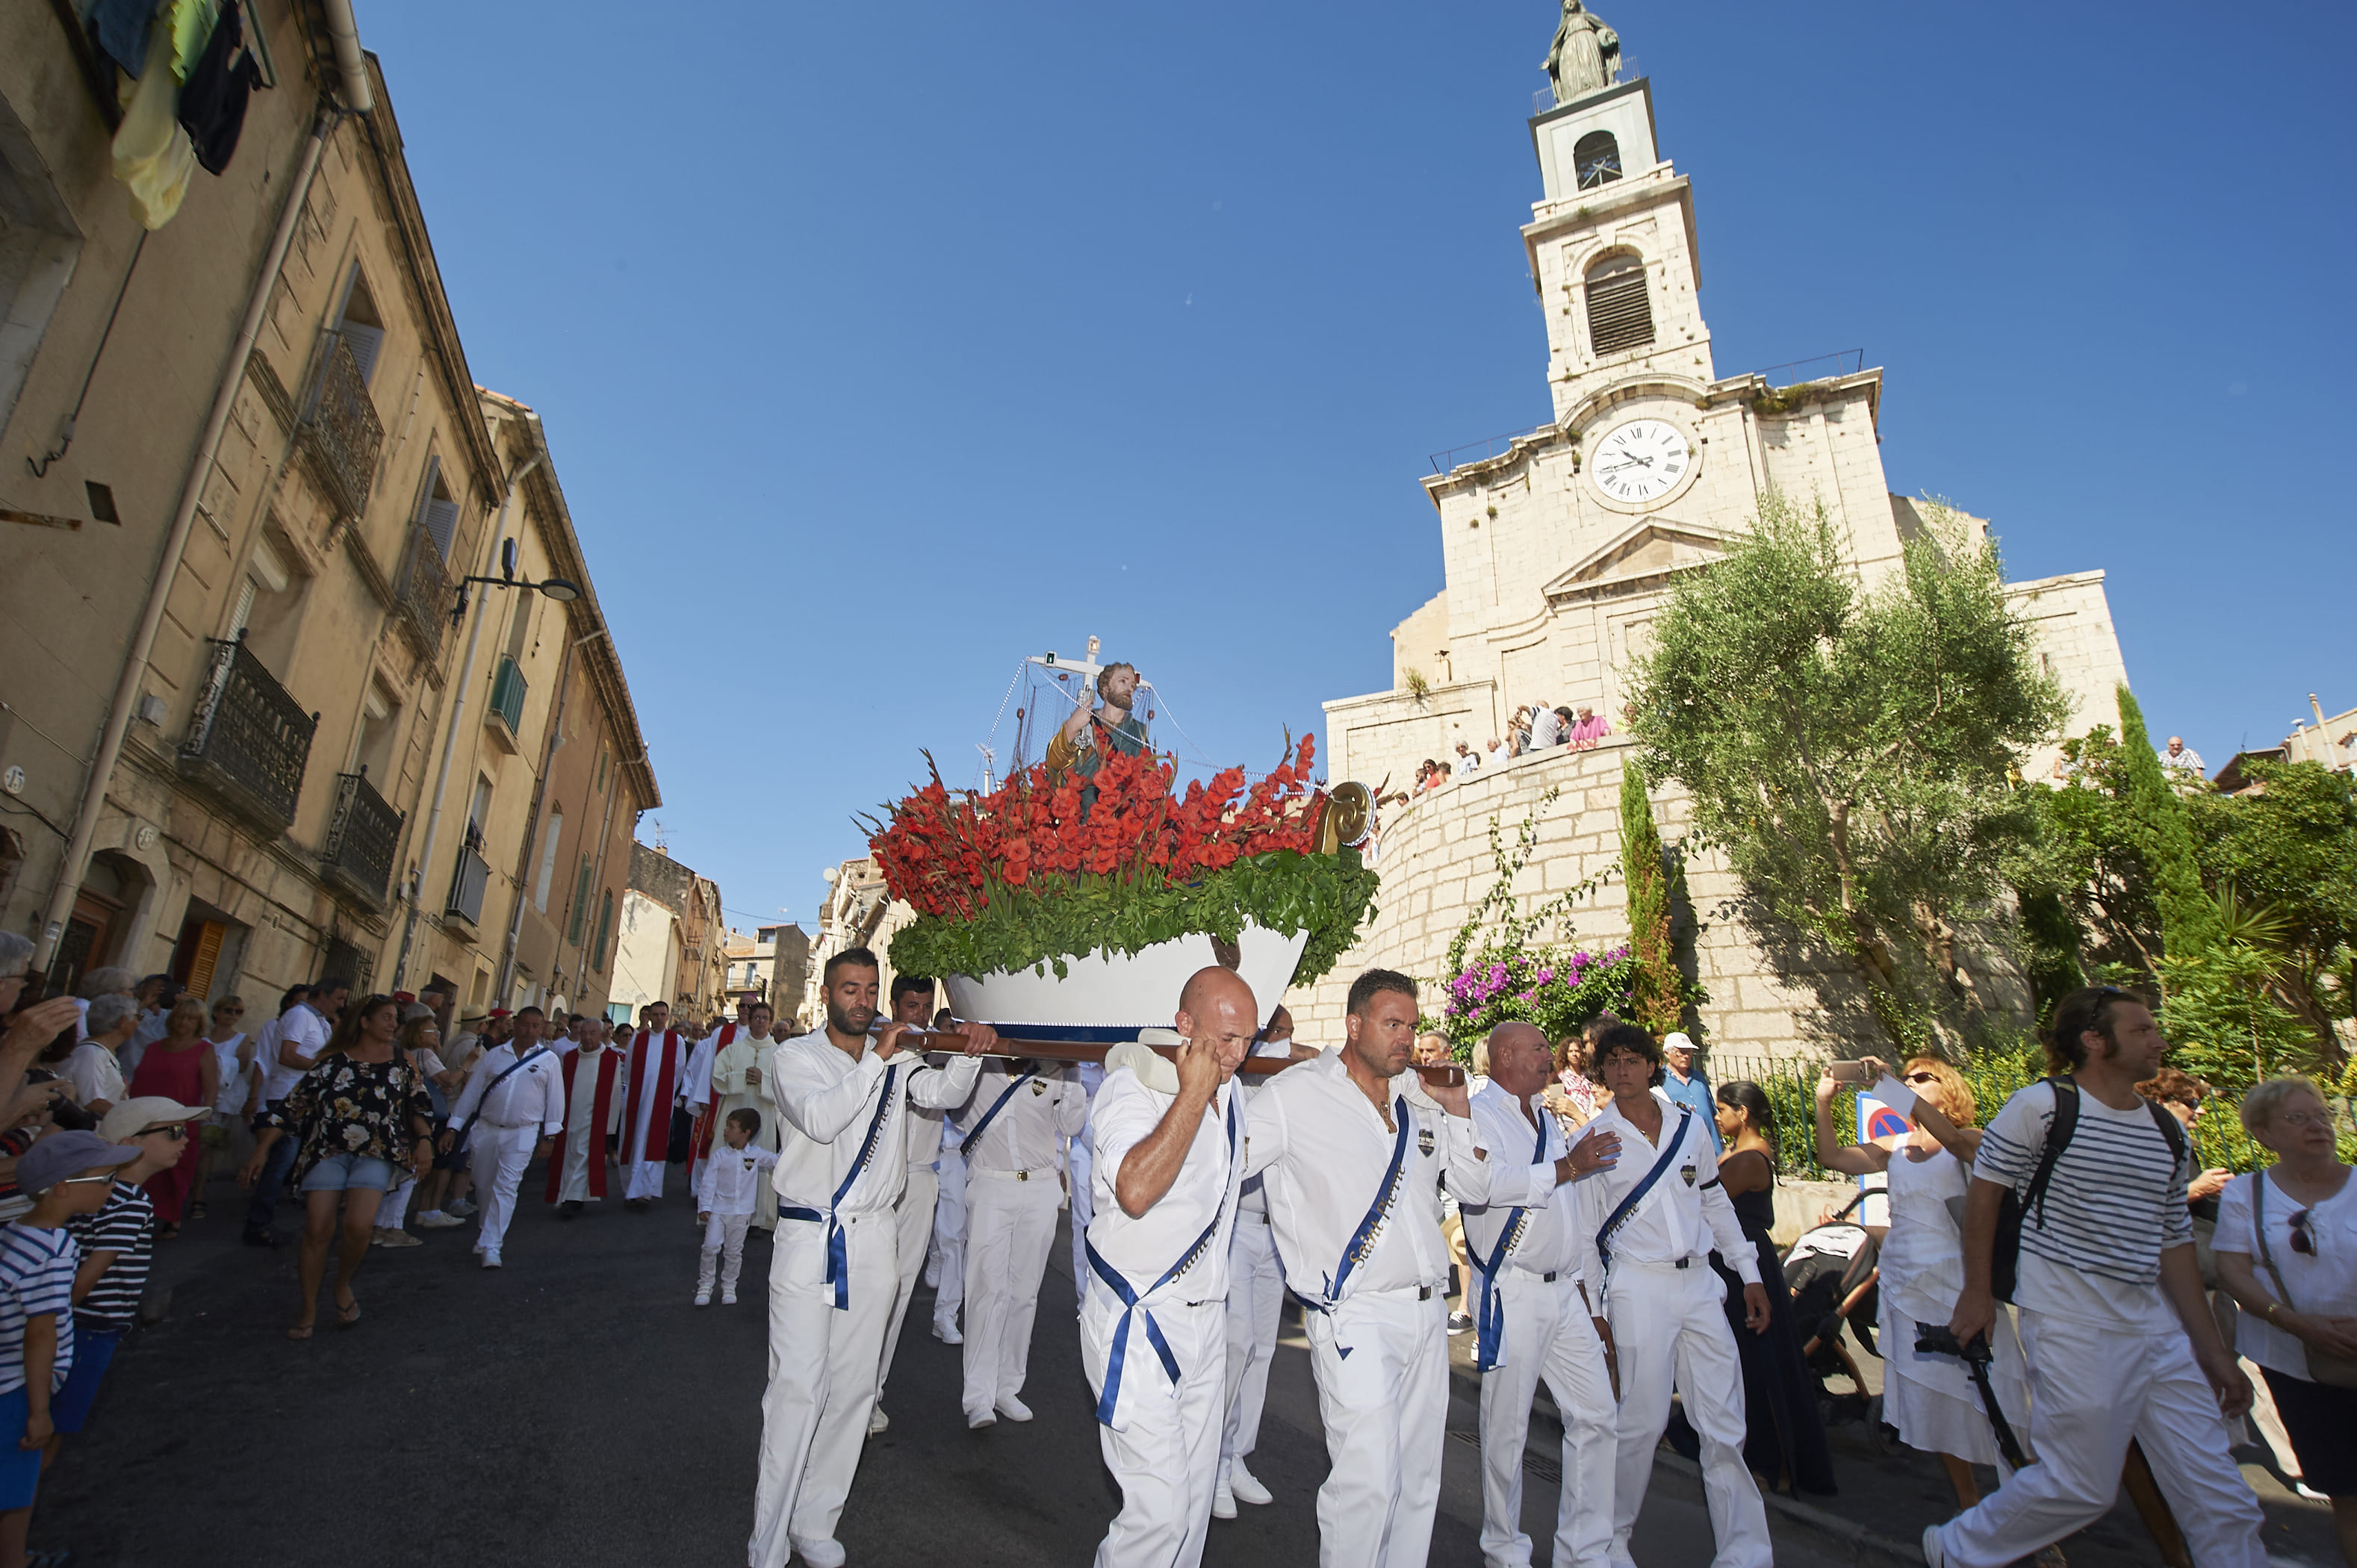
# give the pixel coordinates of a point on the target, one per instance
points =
(657, 1063)
(593, 1074)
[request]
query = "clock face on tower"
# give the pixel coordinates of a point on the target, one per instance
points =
(1640, 461)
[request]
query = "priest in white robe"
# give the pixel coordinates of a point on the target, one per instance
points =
(656, 1063)
(734, 1077)
(594, 1080)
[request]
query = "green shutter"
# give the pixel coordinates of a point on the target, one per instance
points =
(580, 903)
(605, 930)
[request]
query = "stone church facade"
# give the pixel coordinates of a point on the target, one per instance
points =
(1558, 550)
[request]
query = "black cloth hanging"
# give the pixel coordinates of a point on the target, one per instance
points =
(212, 100)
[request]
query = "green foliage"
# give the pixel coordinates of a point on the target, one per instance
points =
(1850, 750)
(2162, 837)
(1657, 991)
(2290, 847)
(1330, 896)
(2224, 1021)
(1516, 927)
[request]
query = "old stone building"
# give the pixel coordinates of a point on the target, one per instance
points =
(673, 943)
(1560, 546)
(247, 737)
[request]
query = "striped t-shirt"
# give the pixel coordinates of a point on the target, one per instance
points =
(37, 1270)
(126, 1227)
(2115, 1199)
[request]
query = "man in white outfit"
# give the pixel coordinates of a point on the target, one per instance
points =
(945, 1255)
(1350, 1147)
(1012, 1194)
(841, 1163)
(1534, 1315)
(912, 1005)
(2114, 1321)
(1648, 1225)
(513, 1105)
(1080, 1154)
(1153, 1323)
(1255, 1303)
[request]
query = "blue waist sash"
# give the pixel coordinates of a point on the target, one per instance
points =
(1363, 1240)
(1490, 1344)
(1620, 1216)
(838, 1253)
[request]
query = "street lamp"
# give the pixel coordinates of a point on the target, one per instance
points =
(557, 588)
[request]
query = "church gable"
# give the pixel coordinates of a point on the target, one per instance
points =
(1647, 551)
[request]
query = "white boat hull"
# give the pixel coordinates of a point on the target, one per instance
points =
(1101, 999)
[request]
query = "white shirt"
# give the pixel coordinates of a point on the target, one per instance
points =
(94, 1073)
(826, 1101)
(1142, 1249)
(305, 1027)
(1685, 1215)
(1468, 762)
(532, 1097)
(1321, 1149)
(230, 1102)
(732, 1179)
(1254, 1197)
(1521, 1175)
(1545, 729)
(2323, 1281)
(1022, 1136)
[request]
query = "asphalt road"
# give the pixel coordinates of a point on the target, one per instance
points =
(574, 1407)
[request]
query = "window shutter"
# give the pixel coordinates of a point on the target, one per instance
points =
(1620, 312)
(364, 342)
(605, 930)
(547, 862)
(442, 516)
(580, 903)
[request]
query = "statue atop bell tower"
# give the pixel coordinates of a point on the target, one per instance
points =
(1585, 54)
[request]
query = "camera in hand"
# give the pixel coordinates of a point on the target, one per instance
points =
(1939, 1339)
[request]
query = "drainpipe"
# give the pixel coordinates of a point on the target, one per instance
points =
(457, 717)
(176, 543)
(344, 33)
(531, 819)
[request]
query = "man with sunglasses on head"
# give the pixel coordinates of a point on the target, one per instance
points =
(2116, 1328)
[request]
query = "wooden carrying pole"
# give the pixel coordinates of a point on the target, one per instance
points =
(1446, 1075)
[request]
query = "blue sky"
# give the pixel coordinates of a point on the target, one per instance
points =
(879, 346)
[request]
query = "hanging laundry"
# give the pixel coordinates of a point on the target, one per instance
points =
(193, 24)
(212, 105)
(153, 157)
(119, 28)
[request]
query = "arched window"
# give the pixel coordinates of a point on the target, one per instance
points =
(1619, 314)
(1596, 158)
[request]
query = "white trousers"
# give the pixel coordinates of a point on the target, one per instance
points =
(1256, 1307)
(1078, 1163)
(1166, 1458)
(646, 1179)
(2091, 1390)
(913, 1228)
(1010, 1227)
(945, 1257)
(1548, 1334)
(821, 1380)
(724, 1244)
(393, 1212)
(1670, 1328)
(1386, 1407)
(498, 1156)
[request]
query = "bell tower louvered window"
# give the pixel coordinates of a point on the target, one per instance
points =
(1596, 158)
(1619, 313)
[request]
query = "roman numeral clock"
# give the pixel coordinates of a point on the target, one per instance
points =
(1640, 461)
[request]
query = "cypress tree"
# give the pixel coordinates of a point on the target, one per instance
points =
(1657, 999)
(2162, 833)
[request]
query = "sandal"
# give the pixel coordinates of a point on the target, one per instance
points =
(349, 1316)
(197, 1210)
(300, 1331)
(167, 1230)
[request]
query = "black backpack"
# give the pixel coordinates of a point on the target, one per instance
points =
(2004, 1256)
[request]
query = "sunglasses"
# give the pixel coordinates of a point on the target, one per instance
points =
(175, 1131)
(1922, 1078)
(2303, 1240)
(229, 1012)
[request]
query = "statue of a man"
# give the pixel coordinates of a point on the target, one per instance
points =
(1585, 56)
(1081, 741)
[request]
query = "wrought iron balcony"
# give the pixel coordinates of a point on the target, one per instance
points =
(507, 697)
(364, 836)
(248, 740)
(466, 887)
(424, 590)
(342, 430)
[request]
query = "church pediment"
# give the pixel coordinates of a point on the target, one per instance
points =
(1647, 551)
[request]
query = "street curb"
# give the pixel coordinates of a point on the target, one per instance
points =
(1843, 1540)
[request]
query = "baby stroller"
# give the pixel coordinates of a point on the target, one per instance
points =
(1834, 1275)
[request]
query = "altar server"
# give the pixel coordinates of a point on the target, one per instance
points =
(1648, 1225)
(912, 1005)
(1352, 1147)
(595, 1084)
(1534, 1316)
(831, 1272)
(1019, 1110)
(1255, 1303)
(513, 1101)
(657, 1055)
(733, 1078)
(1153, 1318)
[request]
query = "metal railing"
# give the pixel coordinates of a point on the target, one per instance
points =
(363, 835)
(507, 695)
(248, 740)
(1824, 367)
(424, 590)
(1494, 447)
(474, 874)
(343, 429)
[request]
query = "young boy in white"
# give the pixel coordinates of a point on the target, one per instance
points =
(2113, 1319)
(725, 1199)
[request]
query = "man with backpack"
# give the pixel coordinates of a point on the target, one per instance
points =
(2097, 1252)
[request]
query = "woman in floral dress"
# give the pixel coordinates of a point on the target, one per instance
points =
(362, 1112)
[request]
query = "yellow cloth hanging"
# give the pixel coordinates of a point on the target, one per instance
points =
(152, 156)
(192, 28)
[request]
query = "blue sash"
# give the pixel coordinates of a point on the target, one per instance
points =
(838, 1253)
(966, 1146)
(1490, 1342)
(1620, 1216)
(1363, 1240)
(1129, 1298)
(505, 1073)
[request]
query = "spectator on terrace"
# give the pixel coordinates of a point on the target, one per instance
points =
(1467, 758)
(1588, 729)
(1562, 721)
(2183, 759)
(1546, 730)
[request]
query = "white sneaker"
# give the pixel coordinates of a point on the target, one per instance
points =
(1932, 1553)
(818, 1553)
(1013, 1409)
(491, 1260)
(1223, 1501)
(947, 1333)
(1246, 1485)
(435, 1220)
(878, 1422)
(462, 1208)
(728, 1298)
(976, 1422)
(704, 1298)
